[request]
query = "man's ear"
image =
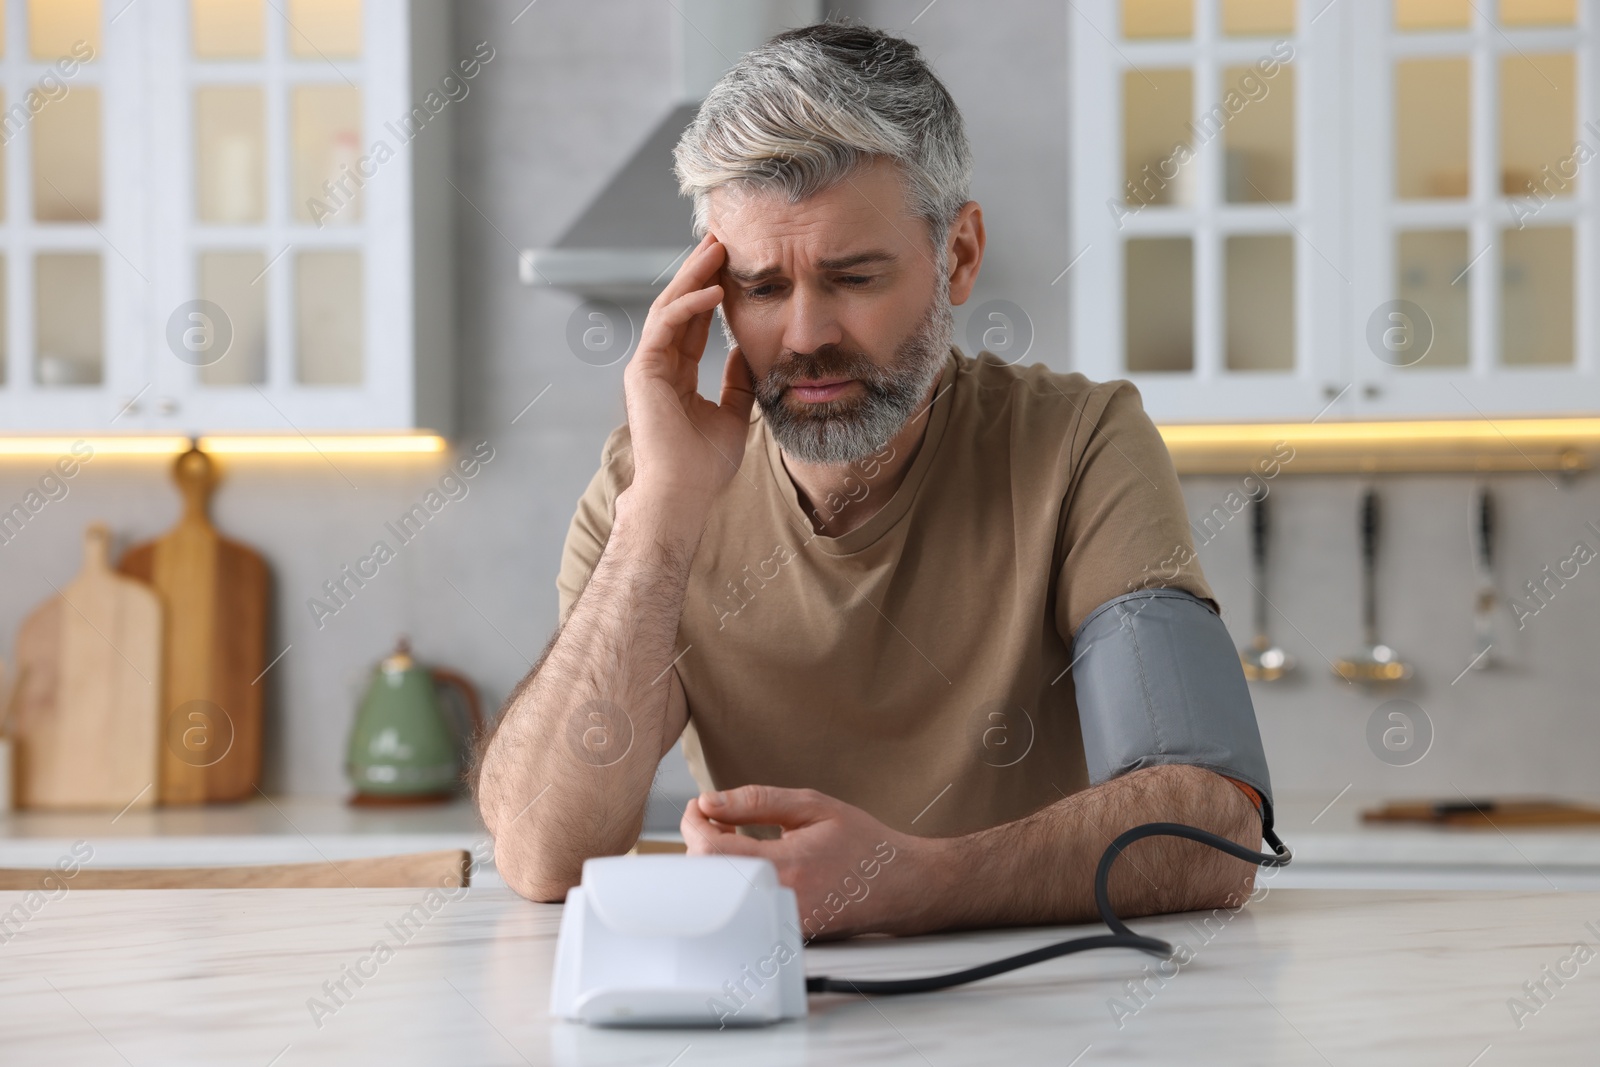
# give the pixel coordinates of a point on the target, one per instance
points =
(964, 251)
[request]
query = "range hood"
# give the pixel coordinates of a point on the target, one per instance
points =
(627, 243)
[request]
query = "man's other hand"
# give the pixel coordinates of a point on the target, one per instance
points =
(850, 872)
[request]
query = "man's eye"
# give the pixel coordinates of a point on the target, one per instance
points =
(854, 280)
(758, 292)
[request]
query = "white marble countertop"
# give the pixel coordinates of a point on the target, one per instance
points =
(1316, 977)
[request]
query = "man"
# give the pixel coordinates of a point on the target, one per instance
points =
(930, 627)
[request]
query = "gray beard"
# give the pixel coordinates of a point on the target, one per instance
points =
(838, 433)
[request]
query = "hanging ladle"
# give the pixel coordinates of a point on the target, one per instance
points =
(1377, 662)
(1263, 661)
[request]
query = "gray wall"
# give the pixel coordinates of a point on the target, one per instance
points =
(573, 88)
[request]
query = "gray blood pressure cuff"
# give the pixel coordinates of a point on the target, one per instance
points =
(1159, 682)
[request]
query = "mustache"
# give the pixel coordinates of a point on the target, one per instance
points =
(829, 361)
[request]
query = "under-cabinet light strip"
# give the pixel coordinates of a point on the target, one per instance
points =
(224, 444)
(1558, 443)
(1446, 432)
(1194, 446)
(276, 445)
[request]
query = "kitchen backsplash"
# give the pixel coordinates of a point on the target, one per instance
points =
(1526, 723)
(473, 586)
(474, 590)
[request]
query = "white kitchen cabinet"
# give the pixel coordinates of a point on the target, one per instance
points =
(210, 132)
(1471, 112)
(1254, 182)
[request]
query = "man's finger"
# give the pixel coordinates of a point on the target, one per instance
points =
(705, 838)
(702, 824)
(678, 284)
(700, 266)
(664, 325)
(697, 331)
(738, 386)
(764, 805)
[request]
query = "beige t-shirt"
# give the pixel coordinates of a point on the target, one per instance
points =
(917, 666)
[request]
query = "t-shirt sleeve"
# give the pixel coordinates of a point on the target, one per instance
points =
(1125, 525)
(591, 523)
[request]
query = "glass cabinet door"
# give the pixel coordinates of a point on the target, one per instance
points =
(1207, 229)
(198, 200)
(286, 168)
(72, 259)
(1382, 209)
(1477, 215)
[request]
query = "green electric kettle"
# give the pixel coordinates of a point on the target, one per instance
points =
(407, 744)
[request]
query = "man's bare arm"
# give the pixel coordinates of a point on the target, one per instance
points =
(551, 787)
(549, 795)
(1040, 869)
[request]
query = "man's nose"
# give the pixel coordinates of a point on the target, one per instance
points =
(811, 322)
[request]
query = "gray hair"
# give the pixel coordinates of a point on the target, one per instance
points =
(812, 106)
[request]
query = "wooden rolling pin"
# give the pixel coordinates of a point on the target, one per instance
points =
(1486, 814)
(446, 869)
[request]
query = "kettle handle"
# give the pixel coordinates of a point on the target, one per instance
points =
(469, 694)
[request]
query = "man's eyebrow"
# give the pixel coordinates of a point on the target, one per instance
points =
(855, 259)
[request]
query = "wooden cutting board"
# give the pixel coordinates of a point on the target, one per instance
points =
(88, 710)
(1486, 814)
(216, 594)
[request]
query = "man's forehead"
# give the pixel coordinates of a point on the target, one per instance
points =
(862, 216)
(762, 265)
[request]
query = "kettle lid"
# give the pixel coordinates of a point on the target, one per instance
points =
(400, 659)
